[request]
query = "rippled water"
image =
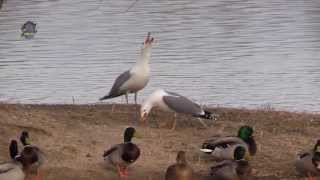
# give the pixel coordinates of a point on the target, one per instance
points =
(238, 53)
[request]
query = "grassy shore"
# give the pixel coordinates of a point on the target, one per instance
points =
(74, 137)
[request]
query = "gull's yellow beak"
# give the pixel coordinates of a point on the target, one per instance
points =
(143, 117)
(247, 156)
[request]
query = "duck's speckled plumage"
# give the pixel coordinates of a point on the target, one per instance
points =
(308, 163)
(231, 170)
(180, 170)
(11, 171)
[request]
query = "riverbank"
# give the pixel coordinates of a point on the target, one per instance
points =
(74, 137)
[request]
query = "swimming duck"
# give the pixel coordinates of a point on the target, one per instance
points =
(180, 170)
(124, 154)
(231, 170)
(35, 166)
(19, 167)
(28, 29)
(308, 163)
(223, 148)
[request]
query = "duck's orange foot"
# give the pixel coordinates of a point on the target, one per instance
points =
(122, 171)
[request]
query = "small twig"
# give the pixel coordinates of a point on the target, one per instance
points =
(131, 6)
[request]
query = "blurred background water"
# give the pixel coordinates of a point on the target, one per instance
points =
(233, 53)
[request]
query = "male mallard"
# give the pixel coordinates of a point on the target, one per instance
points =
(223, 148)
(19, 167)
(180, 170)
(124, 154)
(231, 170)
(308, 163)
(25, 140)
(28, 29)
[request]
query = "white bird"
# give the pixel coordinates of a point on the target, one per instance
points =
(135, 79)
(169, 101)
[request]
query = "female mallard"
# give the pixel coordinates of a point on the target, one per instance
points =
(19, 167)
(180, 170)
(124, 154)
(231, 170)
(223, 148)
(34, 168)
(308, 163)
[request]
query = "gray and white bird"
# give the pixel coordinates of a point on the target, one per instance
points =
(136, 78)
(170, 101)
(232, 170)
(228, 147)
(20, 166)
(308, 163)
(124, 154)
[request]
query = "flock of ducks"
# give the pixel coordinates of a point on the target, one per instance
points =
(22, 164)
(232, 153)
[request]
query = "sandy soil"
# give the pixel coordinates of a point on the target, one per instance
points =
(73, 138)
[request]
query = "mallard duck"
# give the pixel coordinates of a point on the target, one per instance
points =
(231, 170)
(223, 148)
(180, 170)
(34, 168)
(19, 167)
(124, 154)
(28, 29)
(308, 163)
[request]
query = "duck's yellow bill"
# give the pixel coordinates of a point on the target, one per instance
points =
(137, 135)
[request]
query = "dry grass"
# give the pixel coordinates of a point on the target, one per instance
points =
(74, 137)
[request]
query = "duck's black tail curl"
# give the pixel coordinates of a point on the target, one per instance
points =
(208, 115)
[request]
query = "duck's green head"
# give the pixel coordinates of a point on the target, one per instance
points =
(245, 132)
(24, 138)
(129, 133)
(239, 153)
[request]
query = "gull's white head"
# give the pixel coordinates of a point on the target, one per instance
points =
(150, 102)
(144, 110)
(148, 41)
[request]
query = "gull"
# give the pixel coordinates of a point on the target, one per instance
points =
(134, 79)
(170, 101)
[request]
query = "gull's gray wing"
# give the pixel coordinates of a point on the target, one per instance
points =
(115, 90)
(181, 104)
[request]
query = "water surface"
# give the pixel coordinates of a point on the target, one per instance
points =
(234, 53)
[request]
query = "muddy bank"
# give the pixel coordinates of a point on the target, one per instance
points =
(74, 137)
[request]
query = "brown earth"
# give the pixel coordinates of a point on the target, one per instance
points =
(73, 138)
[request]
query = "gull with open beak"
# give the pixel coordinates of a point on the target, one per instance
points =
(136, 78)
